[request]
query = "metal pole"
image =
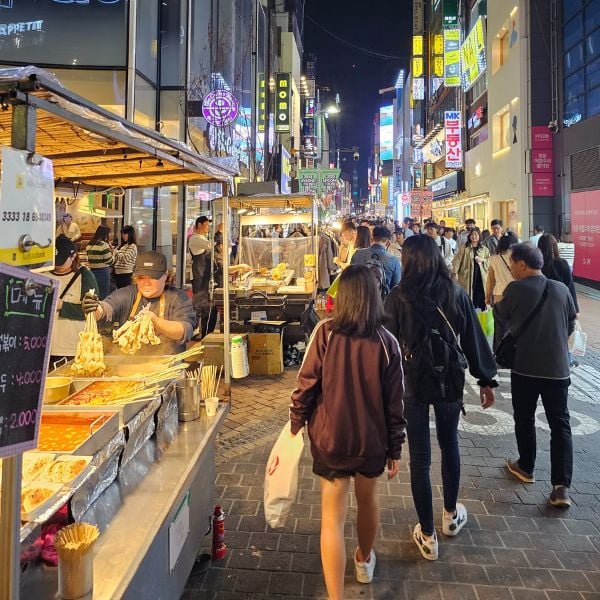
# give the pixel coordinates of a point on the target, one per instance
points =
(226, 305)
(254, 94)
(268, 98)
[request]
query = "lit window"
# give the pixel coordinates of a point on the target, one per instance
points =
(503, 48)
(504, 130)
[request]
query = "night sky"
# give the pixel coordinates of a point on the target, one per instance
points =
(383, 26)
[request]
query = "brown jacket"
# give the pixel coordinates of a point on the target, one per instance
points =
(350, 393)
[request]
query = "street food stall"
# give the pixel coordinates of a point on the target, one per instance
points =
(105, 446)
(278, 239)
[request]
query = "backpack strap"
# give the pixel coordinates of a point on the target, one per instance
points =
(73, 279)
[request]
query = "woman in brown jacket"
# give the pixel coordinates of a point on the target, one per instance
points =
(350, 394)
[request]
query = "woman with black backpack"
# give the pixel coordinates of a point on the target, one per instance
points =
(436, 325)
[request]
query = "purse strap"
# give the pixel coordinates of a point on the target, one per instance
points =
(534, 312)
(71, 282)
(502, 257)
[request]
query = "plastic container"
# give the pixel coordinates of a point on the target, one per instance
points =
(239, 358)
(211, 405)
(188, 399)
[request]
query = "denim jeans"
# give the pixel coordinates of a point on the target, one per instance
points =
(554, 393)
(102, 276)
(447, 415)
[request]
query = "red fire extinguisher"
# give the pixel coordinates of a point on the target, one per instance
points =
(219, 549)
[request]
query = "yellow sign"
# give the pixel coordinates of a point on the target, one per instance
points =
(438, 66)
(438, 44)
(417, 45)
(472, 54)
(310, 260)
(452, 57)
(417, 66)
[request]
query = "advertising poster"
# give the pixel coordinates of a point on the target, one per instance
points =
(26, 210)
(452, 57)
(386, 132)
(283, 102)
(585, 227)
(542, 184)
(472, 54)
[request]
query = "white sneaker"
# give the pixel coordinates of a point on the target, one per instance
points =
(451, 525)
(365, 570)
(428, 545)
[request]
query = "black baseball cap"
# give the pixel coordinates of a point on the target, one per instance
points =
(432, 225)
(201, 220)
(151, 264)
(64, 248)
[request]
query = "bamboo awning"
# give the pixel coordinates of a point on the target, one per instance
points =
(93, 147)
(281, 201)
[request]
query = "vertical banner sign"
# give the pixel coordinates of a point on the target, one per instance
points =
(585, 227)
(285, 167)
(418, 16)
(452, 126)
(542, 162)
(452, 57)
(283, 101)
(26, 210)
(27, 306)
(262, 102)
(318, 181)
(450, 13)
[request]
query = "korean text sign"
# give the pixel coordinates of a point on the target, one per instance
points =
(453, 126)
(27, 306)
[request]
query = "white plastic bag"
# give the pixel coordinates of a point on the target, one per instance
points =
(578, 341)
(281, 476)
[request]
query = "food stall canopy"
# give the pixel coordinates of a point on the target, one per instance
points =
(277, 201)
(91, 146)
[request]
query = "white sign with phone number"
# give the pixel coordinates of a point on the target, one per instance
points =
(26, 210)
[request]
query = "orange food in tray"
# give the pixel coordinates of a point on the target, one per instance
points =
(103, 392)
(64, 434)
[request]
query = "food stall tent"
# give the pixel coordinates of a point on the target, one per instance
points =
(93, 148)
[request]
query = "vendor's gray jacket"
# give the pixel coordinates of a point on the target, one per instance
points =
(542, 350)
(178, 307)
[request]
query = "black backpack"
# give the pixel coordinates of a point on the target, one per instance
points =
(375, 264)
(434, 363)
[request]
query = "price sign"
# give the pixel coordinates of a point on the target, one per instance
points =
(27, 306)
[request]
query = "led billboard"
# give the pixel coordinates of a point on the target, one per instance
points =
(472, 55)
(386, 132)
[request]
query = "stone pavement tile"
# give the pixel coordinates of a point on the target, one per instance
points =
(286, 583)
(251, 523)
(485, 538)
(308, 526)
(293, 543)
(521, 524)
(575, 561)
(509, 557)
(264, 541)
(570, 580)
(478, 555)
(594, 579)
(217, 579)
(237, 539)
(436, 571)
(503, 576)
(580, 527)
(591, 595)
(554, 595)
(543, 559)
(515, 539)
(495, 523)
(528, 594)
(422, 590)
(536, 578)
(458, 591)
(243, 559)
(233, 492)
(314, 586)
(488, 592)
(244, 507)
(253, 581)
(545, 541)
(577, 543)
(306, 563)
(191, 594)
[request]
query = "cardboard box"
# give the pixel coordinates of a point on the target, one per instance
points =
(265, 353)
(213, 347)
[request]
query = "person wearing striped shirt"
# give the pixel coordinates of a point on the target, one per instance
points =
(100, 259)
(125, 257)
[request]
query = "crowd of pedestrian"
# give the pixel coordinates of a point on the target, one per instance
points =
(405, 328)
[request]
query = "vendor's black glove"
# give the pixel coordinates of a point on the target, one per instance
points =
(90, 303)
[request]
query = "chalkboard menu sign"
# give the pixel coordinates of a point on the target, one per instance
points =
(27, 305)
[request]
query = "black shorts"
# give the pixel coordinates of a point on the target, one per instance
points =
(331, 474)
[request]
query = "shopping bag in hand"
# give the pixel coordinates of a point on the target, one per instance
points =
(281, 476)
(486, 320)
(578, 341)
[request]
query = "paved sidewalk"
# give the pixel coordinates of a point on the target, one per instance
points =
(514, 546)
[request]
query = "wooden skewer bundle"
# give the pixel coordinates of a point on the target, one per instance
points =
(73, 541)
(210, 381)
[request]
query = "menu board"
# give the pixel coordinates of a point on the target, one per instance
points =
(27, 305)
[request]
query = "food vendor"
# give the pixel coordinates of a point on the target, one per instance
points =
(171, 309)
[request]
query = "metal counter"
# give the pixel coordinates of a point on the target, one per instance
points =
(135, 515)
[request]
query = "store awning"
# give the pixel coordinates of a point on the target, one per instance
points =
(93, 147)
(281, 201)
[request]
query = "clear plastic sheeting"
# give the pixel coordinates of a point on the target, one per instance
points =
(11, 74)
(269, 252)
(167, 419)
(106, 463)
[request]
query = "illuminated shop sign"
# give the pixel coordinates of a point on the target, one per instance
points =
(283, 102)
(220, 108)
(261, 102)
(418, 88)
(386, 132)
(418, 82)
(450, 13)
(452, 57)
(472, 55)
(452, 127)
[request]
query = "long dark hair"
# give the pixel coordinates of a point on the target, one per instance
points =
(469, 238)
(426, 281)
(363, 237)
(130, 231)
(101, 235)
(358, 306)
(548, 246)
(507, 239)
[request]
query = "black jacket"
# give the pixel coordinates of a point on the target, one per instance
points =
(559, 270)
(466, 326)
(350, 393)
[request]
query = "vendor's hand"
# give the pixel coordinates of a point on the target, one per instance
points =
(90, 303)
(59, 304)
(392, 467)
(487, 397)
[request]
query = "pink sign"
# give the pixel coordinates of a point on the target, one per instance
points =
(541, 138)
(542, 161)
(585, 227)
(542, 184)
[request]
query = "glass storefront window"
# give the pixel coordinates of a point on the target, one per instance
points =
(592, 73)
(147, 39)
(171, 113)
(573, 59)
(166, 231)
(592, 16)
(570, 8)
(593, 102)
(573, 32)
(105, 88)
(574, 109)
(592, 45)
(142, 217)
(145, 103)
(173, 40)
(574, 86)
